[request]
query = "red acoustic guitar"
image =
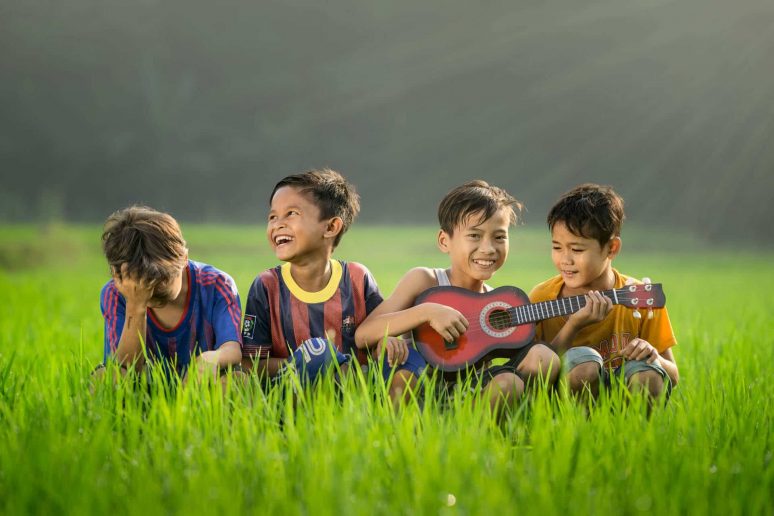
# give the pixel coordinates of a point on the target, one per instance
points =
(503, 320)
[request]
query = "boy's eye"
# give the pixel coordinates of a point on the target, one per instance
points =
(577, 250)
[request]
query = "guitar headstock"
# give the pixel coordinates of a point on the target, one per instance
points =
(646, 295)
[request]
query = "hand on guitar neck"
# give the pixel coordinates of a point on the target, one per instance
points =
(597, 307)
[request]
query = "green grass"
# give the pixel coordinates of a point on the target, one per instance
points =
(63, 450)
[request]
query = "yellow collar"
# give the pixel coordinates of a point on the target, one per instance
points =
(313, 297)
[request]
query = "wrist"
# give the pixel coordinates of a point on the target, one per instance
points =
(134, 307)
(426, 312)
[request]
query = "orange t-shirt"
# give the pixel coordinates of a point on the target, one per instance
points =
(612, 334)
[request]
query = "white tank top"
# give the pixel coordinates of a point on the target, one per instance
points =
(443, 279)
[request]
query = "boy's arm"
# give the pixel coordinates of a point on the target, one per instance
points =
(397, 314)
(256, 333)
(596, 309)
(226, 320)
(667, 360)
(137, 294)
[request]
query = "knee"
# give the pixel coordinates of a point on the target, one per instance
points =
(507, 385)
(541, 361)
(649, 381)
(548, 362)
(583, 375)
(401, 381)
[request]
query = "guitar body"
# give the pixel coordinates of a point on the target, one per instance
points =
(490, 334)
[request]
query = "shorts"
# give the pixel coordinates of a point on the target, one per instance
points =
(415, 364)
(448, 382)
(582, 354)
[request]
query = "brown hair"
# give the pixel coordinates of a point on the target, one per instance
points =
(149, 242)
(475, 197)
(590, 211)
(332, 194)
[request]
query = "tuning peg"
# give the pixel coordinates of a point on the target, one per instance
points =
(637, 314)
(650, 313)
(646, 281)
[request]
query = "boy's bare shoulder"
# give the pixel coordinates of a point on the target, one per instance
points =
(420, 276)
(413, 283)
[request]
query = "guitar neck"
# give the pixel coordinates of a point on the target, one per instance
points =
(535, 312)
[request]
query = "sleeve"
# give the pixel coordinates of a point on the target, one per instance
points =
(113, 309)
(658, 331)
(373, 297)
(256, 329)
(226, 312)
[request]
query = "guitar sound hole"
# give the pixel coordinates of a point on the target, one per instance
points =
(499, 319)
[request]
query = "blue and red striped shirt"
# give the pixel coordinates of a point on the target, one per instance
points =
(279, 315)
(212, 316)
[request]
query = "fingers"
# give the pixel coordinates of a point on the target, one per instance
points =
(396, 351)
(597, 305)
(447, 336)
(391, 352)
(639, 349)
(404, 351)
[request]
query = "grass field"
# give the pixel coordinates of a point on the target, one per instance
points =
(63, 450)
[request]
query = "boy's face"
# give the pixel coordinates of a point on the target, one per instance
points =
(157, 293)
(167, 291)
(294, 228)
(477, 249)
(583, 263)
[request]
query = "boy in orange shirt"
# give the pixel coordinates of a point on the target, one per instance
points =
(600, 339)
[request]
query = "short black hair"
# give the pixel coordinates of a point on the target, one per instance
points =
(331, 193)
(475, 197)
(590, 211)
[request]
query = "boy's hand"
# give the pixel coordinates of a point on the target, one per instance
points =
(596, 309)
(136, 292)
(639, 349)
(447, 321)
(396, 349)
(207, 365)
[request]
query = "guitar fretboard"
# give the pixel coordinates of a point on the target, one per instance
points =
(557, 307)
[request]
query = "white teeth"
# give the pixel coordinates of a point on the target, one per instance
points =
(282, 239)
(484, 263)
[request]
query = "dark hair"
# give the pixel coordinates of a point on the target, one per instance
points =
(475, 197)
(590, 211)
(332, 194)
(149, 242)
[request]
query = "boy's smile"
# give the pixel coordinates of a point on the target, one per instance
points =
(294, 228)
(477, 249)
(583, 263)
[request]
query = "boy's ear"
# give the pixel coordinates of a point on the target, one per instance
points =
(443, 241)
(615, 247)
(333, 227)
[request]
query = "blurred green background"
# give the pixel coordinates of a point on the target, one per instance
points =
(199, 107)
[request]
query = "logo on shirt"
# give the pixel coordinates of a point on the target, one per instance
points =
(248, 326)
(348, 325)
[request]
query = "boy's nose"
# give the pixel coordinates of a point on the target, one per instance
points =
(486, 246)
